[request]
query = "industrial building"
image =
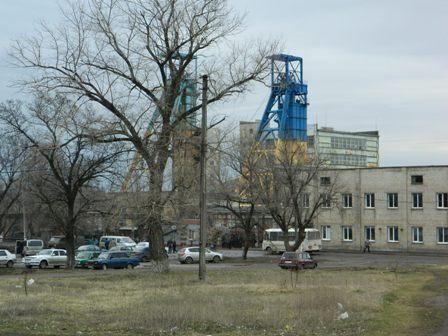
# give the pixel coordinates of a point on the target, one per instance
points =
(338, 149)
(395, 208)
(343, 149)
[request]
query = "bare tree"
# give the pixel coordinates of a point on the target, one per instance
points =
(288, 186)
(132, 57)
(235, 188)
(66, 164)
(12, 158)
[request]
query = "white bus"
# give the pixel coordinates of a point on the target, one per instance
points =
(273, 240)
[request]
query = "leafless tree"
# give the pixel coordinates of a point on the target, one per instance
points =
(234, 188)
(132, 57)
(288, 185)
(12, 158)
(67, 165)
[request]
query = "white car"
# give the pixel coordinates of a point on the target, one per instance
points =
(189, 255)
(7, 258)
(46, 258)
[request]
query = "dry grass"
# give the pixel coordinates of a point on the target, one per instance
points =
(236, 302)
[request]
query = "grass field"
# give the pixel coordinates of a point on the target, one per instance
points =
(235, 302)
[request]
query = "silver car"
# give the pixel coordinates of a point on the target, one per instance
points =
(189, 255)
(6, 258)
(46, 258)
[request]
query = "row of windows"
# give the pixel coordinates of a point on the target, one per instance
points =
(369, 200)
(347, 160)
(392, 234)
(415, 179)
(392, 200)
(348, 143)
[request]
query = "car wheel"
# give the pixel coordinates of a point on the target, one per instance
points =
(315, 265)
(104, 267)
(29, 266)
(268, 250)
(300, 267)
(216, 259)
(130, 266)
(57, 266)
(145, 259)
(43, 264)
(188, 260)
(10, 264)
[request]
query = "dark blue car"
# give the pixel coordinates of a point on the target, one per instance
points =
(115, 260)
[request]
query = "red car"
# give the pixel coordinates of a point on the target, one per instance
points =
(296, 260)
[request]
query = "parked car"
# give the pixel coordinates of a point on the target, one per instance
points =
(142, 244)
(115, 260)
(57, 242)
(32, 246)
(7, 258)
(118, 240)
(296, 260)
(83, 248)
(189, 255)
(142, 253)
(121, 248)
(84, 258)
(46, 258)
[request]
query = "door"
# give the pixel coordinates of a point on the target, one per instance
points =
(194, 253)
(3, 258)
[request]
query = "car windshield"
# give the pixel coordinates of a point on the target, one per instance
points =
(103, 255)
(45, 252)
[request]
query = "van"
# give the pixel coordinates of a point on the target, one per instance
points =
(118, 241)
(32, 246)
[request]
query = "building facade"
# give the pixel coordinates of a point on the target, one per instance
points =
(344, 149)
(395, 208)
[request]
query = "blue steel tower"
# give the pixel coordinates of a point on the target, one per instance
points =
(285, 116)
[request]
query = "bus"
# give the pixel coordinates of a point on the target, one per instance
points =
(273, 241)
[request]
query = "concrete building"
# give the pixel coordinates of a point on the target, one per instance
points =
(338, 149)
(395, 208)
(344, 149)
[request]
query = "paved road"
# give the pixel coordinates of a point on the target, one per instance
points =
(259, 260)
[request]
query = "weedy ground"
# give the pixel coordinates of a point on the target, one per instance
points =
(230, 302)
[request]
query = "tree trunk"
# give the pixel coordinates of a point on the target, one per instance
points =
(70, 240)
(247, 243)
(156, 243)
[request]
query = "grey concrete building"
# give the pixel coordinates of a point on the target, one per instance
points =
(395, 208)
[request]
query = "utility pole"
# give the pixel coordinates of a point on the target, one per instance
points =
(202, 182)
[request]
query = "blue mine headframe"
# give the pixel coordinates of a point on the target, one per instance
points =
(285, 115)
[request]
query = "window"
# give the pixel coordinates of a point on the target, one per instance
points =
(417, 234)
(442, 200)
(347, 200)
(325, 180)
(370, 201)
(392, 233)
(370, 233)
(326, 232)
(306, 200)
(347, 233)
(417, 179)
(392, 200)
(326, 201)
(2, 254)
(442, 235)
(417, 200)
(62, 253)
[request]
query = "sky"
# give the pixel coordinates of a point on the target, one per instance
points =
(370, 65)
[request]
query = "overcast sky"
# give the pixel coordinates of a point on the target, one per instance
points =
(370, 65)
